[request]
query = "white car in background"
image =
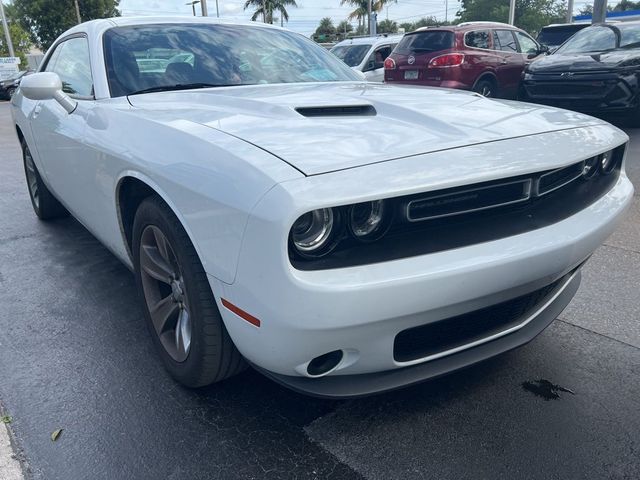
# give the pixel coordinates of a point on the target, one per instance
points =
(367, 54)
(343, 237)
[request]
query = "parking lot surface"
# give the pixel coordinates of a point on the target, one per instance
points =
(75, 355)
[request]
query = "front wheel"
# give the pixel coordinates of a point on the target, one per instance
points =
(486, 88)
(179, 306)
(45, 205)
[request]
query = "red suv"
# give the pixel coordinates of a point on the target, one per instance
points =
(485, 57)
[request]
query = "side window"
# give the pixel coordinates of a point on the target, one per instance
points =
(477, 39)
(382, 53)
(505, 41)
(377, 58)
(70, 61)
(527, 44)
(51, 63)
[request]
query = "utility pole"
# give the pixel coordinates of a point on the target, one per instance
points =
(570, 12)
(6, 31)
(369, 15)
(217, 10)
(446, 10)
(205, 10)
(599, 11)
(77, 11)
(7, 35)
(512, 12)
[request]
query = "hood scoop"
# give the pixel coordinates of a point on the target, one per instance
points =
(338, 111)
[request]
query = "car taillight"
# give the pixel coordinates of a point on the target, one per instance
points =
(447, 60)
(389, 64)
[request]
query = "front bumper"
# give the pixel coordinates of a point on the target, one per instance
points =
(362, 309)
(352, 386)
(590, 93)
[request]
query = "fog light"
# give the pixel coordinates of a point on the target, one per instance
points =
(324, 363)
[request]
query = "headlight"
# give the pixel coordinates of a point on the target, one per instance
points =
(312, 233)
(591, 167)
(366, 220)
(607, 161)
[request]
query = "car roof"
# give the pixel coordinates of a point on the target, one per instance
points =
(370, 40)
(468, 26)
(99, 26)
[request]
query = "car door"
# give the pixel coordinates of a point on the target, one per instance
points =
(511, 62)
(58, 135)
(374, 68)
(529, 48)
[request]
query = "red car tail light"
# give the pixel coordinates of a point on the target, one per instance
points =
(389, 64)
(447, 60)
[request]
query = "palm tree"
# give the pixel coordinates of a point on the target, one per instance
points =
(361, 11)
(266, 8)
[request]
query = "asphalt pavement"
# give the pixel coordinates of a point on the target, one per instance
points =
(75, 355)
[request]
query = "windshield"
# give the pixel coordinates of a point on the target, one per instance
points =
(591, 39)
(168, 56)
(629, 35)
(556, 35)
(352, 55)
(430, 41)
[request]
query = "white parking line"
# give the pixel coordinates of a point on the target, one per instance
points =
(9, 465)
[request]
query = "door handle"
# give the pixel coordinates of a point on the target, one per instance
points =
(504, 61)
(37, 110)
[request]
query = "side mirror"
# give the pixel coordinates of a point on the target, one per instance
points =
(543, 49)
(46, 86)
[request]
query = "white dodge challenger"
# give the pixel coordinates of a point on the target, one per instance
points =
(343, 238)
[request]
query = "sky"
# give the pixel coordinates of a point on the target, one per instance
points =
(306, 17)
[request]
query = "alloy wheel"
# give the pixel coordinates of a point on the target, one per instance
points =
(165, 293)
(486, 91)
(32, 178)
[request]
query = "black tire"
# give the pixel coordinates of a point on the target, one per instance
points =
(210, 355)
(10, 92)
(44, 204)
(486, 87)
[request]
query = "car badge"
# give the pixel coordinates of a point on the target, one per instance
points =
(566, 74)
(411, 60)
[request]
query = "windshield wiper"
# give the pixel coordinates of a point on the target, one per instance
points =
(181, 86)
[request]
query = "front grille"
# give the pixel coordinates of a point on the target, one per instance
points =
(559, 178)
(594, 89)
(426, 340)
(468, 200)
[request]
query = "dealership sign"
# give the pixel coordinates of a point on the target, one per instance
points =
(8, 66)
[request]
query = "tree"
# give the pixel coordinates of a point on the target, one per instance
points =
(423, 22)
(45, 20)
(530, 15)
(624, 5)
(343, 29)
(266, 9)
(387, 26)
(361, 10)
(325, 31)
(21, 44)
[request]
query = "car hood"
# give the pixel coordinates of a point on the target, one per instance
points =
(586, 62)
(368, 123)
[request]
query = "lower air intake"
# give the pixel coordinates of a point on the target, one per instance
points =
(426, 340)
